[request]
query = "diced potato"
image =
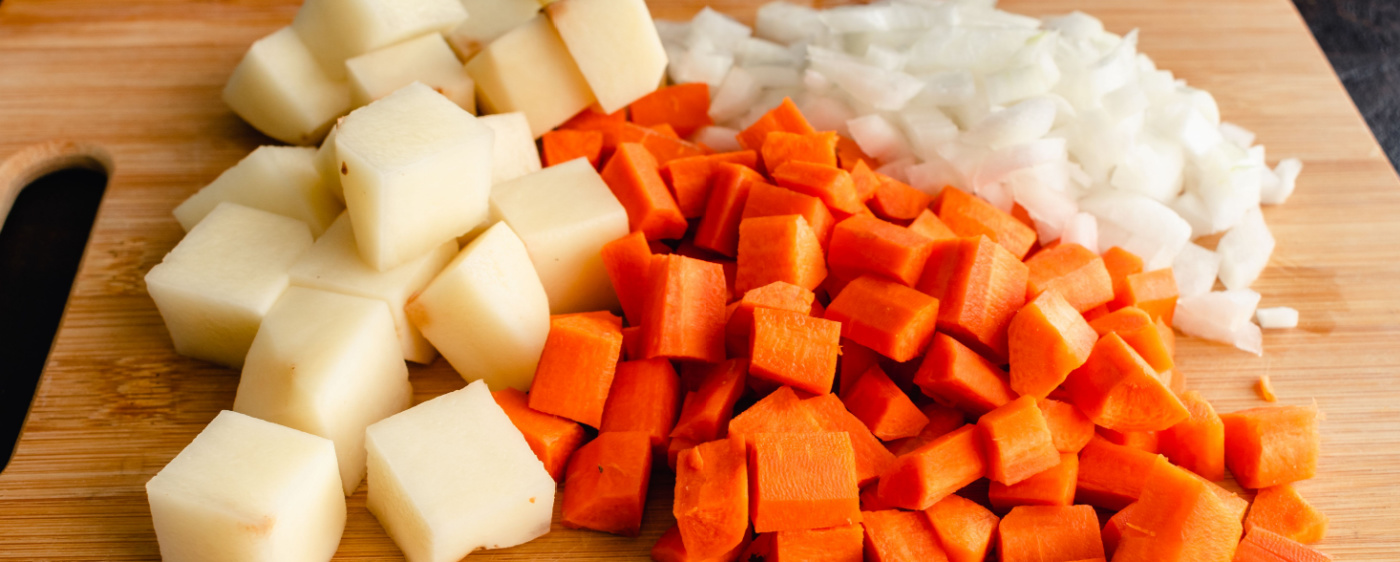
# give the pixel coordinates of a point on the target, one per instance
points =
(514, 154)
(487, 312)
(279, 89)
(214, 288)
(615, 45)
(452, 475)
(276, 179)
(565, 214)
(425, 59)
(416, 170)
(487, 20)
(333, 264)
(337, 30)
(329, 166)
(249, 490)
(529, 70)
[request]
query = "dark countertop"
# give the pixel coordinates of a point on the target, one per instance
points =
(1362, 40)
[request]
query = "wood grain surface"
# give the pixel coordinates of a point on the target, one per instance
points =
(133, 87)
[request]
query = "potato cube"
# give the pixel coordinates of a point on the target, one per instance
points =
(329, 166)
(337, 30)
(426, 59)
(247, 489)
(514, 153)
(487, 312)
(529, 70)
(214, 288)
(279, 89)
(452, 475)
(565, 214)
(276, 179)
(416, 170)
(487, 20)
(615, 45)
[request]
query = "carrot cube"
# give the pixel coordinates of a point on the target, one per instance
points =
(1271, 446)
(968, 215)
(794, 349)
(779, 412)
(551, 438)
(849, 155)
(898, 536)
(1140, 440)
(1179, 518)
(633, 176)
(1018, 441)
(830, 184)
(979, 286)
(883, 407)
(767, 200)
(954, 375)
(964, 528)
(941, 421)
(675, 447)
(930, 226)
(1050, 533)
(835, 544)
(1263, 545)
(628, 262)
(778, 248)
(867, 182)
(692, 178)
(1069, 428)
(1120, 391)
(1078, 274)
(872, 458)
(1150, 339)
(863, 245)
(930, 473)
(564, 145)
(1047, 340)
(577, 365)
(645, 397)
(785, 117)
(671, 548)
(1111, 476)
(684, 317)
(1197, 443)
(661, 143)
(802, 481)
(1120, 264)
(1052, 486)
(887, 317)
(707, 410)
(606, 484)
(593, 117)
(777, 295)
(1154, 292)
(1280, 509)
(712, 497)
(781, 147)
(719, 226)
(896, 201)
(685, 107)
(856, 359)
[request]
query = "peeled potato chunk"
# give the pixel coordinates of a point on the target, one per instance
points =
(280, 89)
(276, 179)
(615, 45)
(425, 59)
(529, 70)
(337, 30)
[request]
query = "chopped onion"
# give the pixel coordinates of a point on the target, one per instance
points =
(1082, 229)
(1195, 269)
(719, 139)
(1245, 250)
(735, 96)
(1285, 177)
(1221, 316)
(1277, 317)
(878, 138)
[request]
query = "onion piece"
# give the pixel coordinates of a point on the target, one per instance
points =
(1221, 316)
(1277, 317)
(1195, 269)
(1245, 250)
(1082, 229)
(879, 138)
(1286, 179)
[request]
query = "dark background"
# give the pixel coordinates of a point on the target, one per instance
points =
(42, 240)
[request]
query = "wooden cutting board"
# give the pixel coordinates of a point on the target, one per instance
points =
(133, 87)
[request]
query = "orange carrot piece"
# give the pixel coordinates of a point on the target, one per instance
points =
(870, 499)
(1047, 339)
(892, 319)
(785, 117)
(1049, 533)
(661, 142)
(849, 155)
(941, 421)
(684, 315)
(863, 245)
(1141, 440)
(954, 375)
(919, 479)
(1111, 476)
(1178, 518)
(1154, 292)
(633, 176)
(550, 437)
(1052, 486)
(1282, 510)
(781, 411)
(979, 286)
(675, 447)
(1120, 264)
(883, 407)
(900, 536)
(776, 295)
(565, 144)
(1272, 446)
(1018, 444)
(778, 248)
(968, 215)
(835, 544)
(707, 411)
(802, 481)
(794, 349)
(1077, 273)
(1197, 443)
(665, 129)
(645, 396)
(628, 262)
(632, 343)
(712, 497)
(872, 458)
(691, 178)
(896, 201)
(767, 200)
(867, 182)
(856, 359)
(781, 147)
(593, 117)
(1113, 529)
(1265, 386)
(830, 184)
(1118, 389)
(1143, 334)
(719, 225)
(1263, 545)
(685, 107)
(671, 548)
(606, 484)
(1069, 428)
(576, 367)
(965, 529)
(929, 225)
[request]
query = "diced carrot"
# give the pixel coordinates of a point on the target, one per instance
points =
(896, 201)
(1018, 442)
(1024, 217)
(892, 319)
(719, 226)
(1141, 440)
(550, 437)
(941, 421)
(830, 184)
(712, 497)
(645, 396)
(794, 349)
(1120, 264)
(1154, 292)
(900, 536)
(1118, 389)
(929, 225)
(778, 248)
(1178, 518)
(628, 262)
(632, 343)
(1111, 476)
(867, 182)
(785, 117)
(883, 407)
(767, 200)
(776, 295)
(686, 107)
(1263, 545)
(1113, 529)
(665, 129)
(1077, 273)
(1143, 334)
(835, 544)
(1271, 446)
(1069, 428)
(781, 411)
(968, 215)
(606, 484)
(566, 144)
(849, 154)
(856, 359)
(633, 176)
(1047, 339)
(1197, 443)
(593, 117)
(707, 410)
(802, 481)
(781, 147)
(918, 479)
(1266, 388)
(671, 548)
(872, 458)
(965, 529)
(1282, 510)
(954, 375)
(684, 314)
(675, 447)
(865, 245)
(979, 286)
(576, 368)
(1049, 533)
(692, 178)
(1052, 486)
(661, 142)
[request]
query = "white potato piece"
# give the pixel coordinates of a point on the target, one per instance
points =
(333, 264)
(214, 288)
(276, 179)
(281, 90)
(425, 59)
(529, 70)
(329, 167)
(565, 214)
(487, 20)
(327, 364)
(487, 312)
(452, 475)
(615, 45)
(248, 490)
(416, 170)
(514, 153)
(337, 30)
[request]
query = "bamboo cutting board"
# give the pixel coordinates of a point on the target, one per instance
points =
(133, 87)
